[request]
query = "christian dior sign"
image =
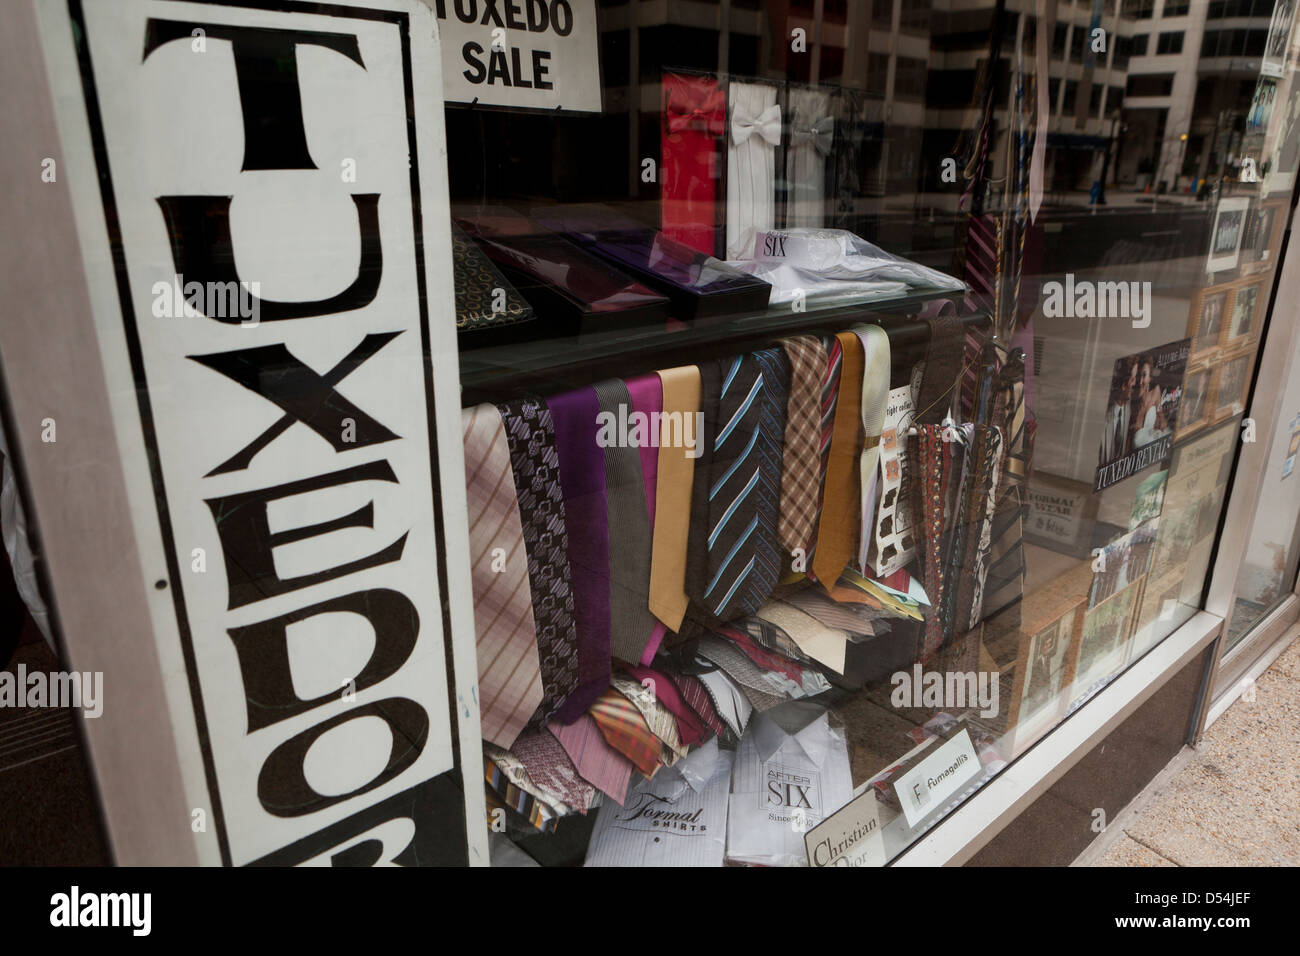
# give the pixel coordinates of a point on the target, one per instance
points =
(286, 478)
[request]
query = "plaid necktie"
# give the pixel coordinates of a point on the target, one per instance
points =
(536, 469)
(509, 672)
(801, 475)
(624, 729)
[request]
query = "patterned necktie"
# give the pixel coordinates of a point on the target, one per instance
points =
(549, 767)
(631, 622)
(875, 396)
(801, 475)
(675, 481)
(841, 505)
(599, 764)
(743, 486)
(624, 729)
(830, 397)
(930, 460)
(1006, 565)
(536, 468)
(509, 672)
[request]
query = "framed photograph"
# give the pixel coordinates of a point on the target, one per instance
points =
(1141, 414)
(1103, 644)
(1044, 672)
(1243, 322)
(1194, 413)
(1226, 236)
(1264, 228)
(1123, 561)
(1232, 380)
(1206, 320)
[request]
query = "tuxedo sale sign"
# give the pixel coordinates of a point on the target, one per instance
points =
(261, 200)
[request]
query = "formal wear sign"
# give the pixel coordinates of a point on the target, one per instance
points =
(277, 331)
(524, 54)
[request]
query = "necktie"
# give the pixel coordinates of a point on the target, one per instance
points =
(742, 564)
(694, 118)
(800, 476)
(929, 466)
(770, 636)
(811, 132)
(599, 764)
(657, 717)
(984, 502)
(943, 360)
(751, 164)
(628, 520)
(875, 396)
(1006, 569)
(549, 767)
(830, 398)
(761, 656)
(476, 282)
(536, 467)
(624, 729)
(582, 479)
(509, 672)
(698, 699)
(690, 729)
(851, 618)
(681, 402)
(840, 516)
(647, 396)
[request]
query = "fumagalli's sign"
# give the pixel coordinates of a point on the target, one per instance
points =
(277, 332)
(524, 54)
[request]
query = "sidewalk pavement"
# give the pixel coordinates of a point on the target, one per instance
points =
(1236, 799)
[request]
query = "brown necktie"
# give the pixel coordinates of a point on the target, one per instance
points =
(837, 532)
(799, 480)
(509, 671)
(681, 390)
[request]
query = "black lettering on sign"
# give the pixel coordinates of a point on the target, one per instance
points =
(199, 227)
(247, 540)
(263, 650)
(266, 67)
(282, 785)
(272, 372)
(477, 72)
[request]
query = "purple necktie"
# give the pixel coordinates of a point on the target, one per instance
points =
(647, 393)
(582, 480)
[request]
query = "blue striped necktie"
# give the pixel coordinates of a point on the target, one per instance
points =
(736, 508)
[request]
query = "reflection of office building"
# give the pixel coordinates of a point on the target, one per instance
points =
(1193, 74)
(1085, 88)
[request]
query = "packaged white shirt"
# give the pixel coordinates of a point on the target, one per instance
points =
(792, 771)
(834, 263)
(677, 819)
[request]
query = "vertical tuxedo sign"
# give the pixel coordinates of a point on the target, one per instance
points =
(261, 200)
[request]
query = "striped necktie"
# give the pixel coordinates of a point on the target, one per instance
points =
(801, 474)
(536, 468)
(509, 672)
(743, 485)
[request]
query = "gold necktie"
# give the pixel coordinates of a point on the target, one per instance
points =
(681, 388)
(837, 532)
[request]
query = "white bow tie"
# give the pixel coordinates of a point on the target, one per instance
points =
(820, 134)
(767, 124)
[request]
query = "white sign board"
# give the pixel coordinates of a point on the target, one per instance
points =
(277, 333)
(850, 836)
(927, 786)
(523, 54)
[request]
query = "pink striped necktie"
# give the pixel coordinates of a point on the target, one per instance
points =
(509, 670)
